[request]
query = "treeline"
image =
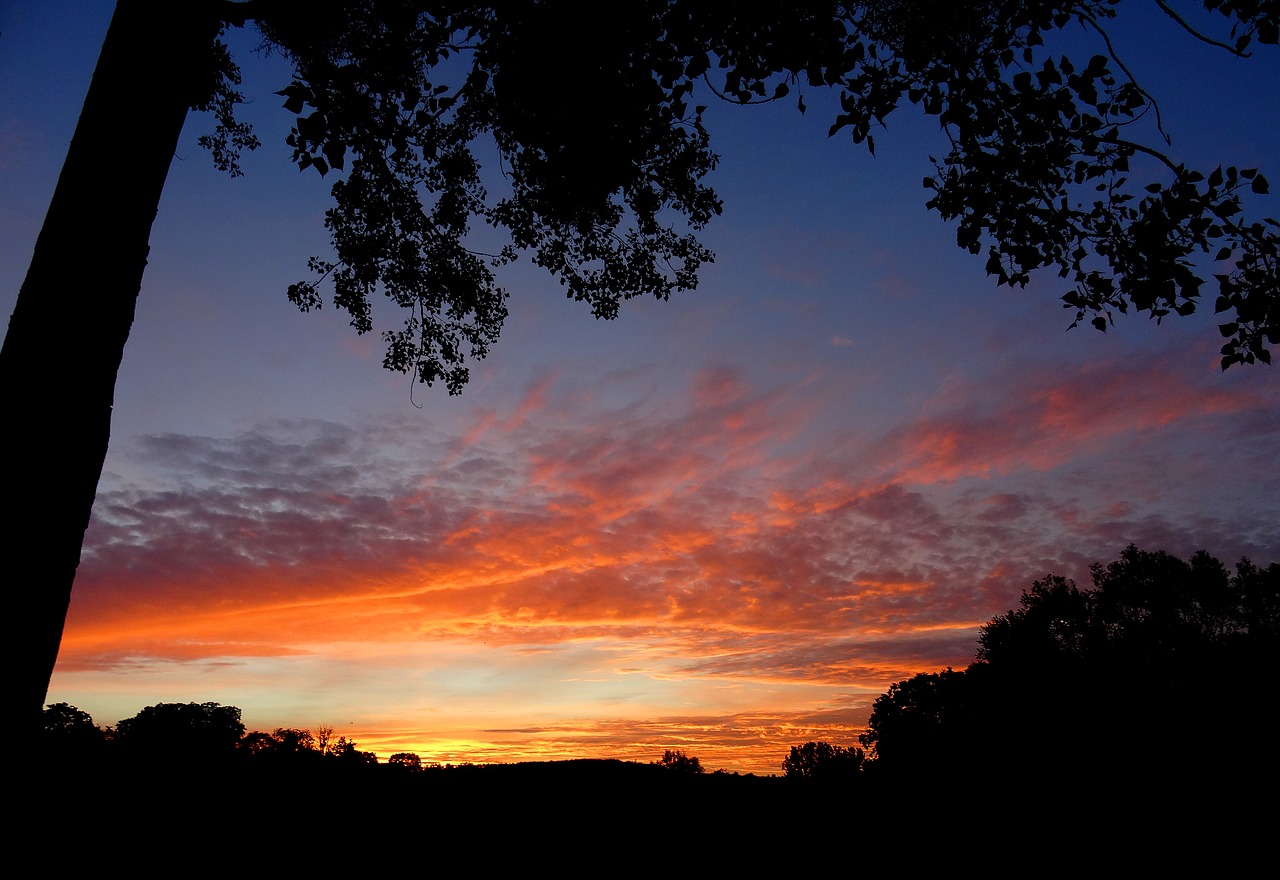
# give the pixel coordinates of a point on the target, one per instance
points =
(1157, 678)
(213, 733)
(185, 732)
(1157, 681)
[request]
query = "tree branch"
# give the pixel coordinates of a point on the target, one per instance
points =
(723, 97)
(1106, 39)
(1199, 36)
(1142, 148)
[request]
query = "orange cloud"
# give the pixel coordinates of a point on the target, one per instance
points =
(611, 570)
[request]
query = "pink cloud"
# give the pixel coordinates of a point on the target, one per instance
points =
(1046, 419)
(678, 537)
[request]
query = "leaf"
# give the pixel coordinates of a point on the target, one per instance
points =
(335, 152)
(295, 97)
(1260, 185)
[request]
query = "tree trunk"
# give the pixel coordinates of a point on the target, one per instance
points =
(66, 336)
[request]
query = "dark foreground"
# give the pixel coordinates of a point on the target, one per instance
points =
(602, 818)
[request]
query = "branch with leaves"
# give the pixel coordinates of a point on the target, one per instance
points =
(602, 165)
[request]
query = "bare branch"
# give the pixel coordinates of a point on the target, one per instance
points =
(1199, 36)
(1142, 148)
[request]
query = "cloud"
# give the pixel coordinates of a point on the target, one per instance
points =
(1045, 418)
(699, 542)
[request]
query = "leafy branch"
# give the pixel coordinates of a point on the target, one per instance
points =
(1238, 51)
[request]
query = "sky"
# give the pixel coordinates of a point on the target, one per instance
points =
(723, 524)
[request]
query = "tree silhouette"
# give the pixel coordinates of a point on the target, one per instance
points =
(256, 743)
(292, 740)
(406, 761)
(70, 734)
(348, 753)
(282, 745)
(677, 761)
(1148, 612)
(182, 732)
(924, 725)
(1099, 683)
(823, 762)
(603, 154)
(294, 747)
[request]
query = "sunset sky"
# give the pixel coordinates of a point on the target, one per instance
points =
(724, 524)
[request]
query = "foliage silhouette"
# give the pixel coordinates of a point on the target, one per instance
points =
(1098, 684)
(256, 743)
(823, 762)
(284, 745)
(603, 156)
(348, 753)
(70, 734)
(923, 724)
(182, 731)
(678, 762)
(406, 760)
(293, 740)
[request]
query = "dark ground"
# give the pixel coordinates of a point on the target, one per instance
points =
(600, 818)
